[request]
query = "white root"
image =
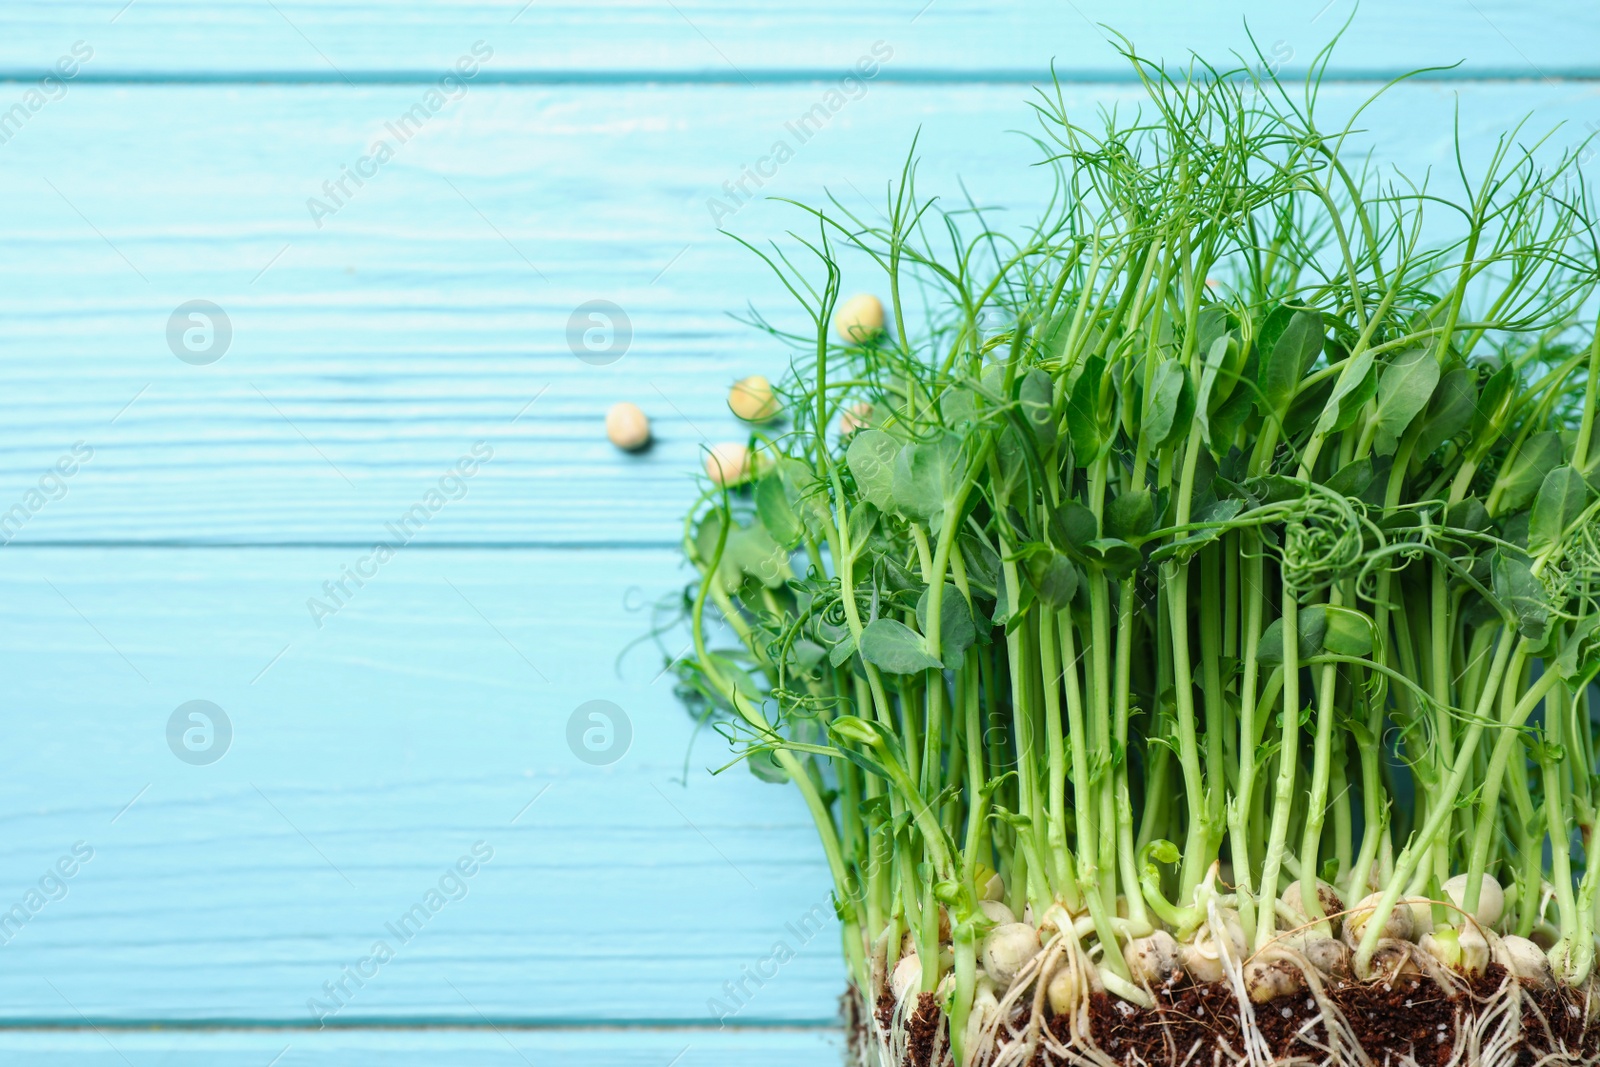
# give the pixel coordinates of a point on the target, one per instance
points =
(985, 1014)
(1061, 979)
(1043, 1013)
(1256, 1051)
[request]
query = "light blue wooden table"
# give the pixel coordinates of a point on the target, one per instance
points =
(377, 337)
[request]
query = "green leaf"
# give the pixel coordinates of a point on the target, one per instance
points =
(894, 647)
(1051, 339)
(764, 765)
(1561, 499)
(1054, 578)
(776, 513)
(759, 556)
(1493, 404)
(1449, 412)
(1308, 407)
(1353, 478)
(1223, 424)
(1525, 471)
(1168, 406)
(1311, 628)
(852, 734)
(1083, 412)
(1272, 327)
(1522, 594)
(1131, 515)
(1405, 388)
(1293, 352)
(1351, 384)
(1349, 632)
(1074, 525)
(958, 406)
(1210, 324)
(806, 654)
(1114, 554)
(749, 551)
(1035, 393)
(871, 456)
(843, 650)
(1468, 514)
(1011, 605)
(856, 730)
(1221, 352)
(863, 520)
(983, 563)
(1580, 654)
(1352, 403)
(1163, 851)
(957, 633)
(926, 475)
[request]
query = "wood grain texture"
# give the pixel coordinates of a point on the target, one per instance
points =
(735, 41)
(508, 1048)
(428, 313)
(425, 716)
(433, 307)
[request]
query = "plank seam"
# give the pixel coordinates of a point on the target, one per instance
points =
(797, 76)
(361, 546)
(442, 1023)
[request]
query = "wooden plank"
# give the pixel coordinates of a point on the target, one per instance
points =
(432, 309)
(429, 714)
(410, 1048)
(706, 38)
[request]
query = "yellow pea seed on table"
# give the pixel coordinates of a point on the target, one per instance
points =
(728, 463)
(752, 399)
(628, 426)
(859, 319)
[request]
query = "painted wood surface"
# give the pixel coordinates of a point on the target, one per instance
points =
(740, 41)
(428, 715)
(428, 313)
(432, 309)
(507, 1047)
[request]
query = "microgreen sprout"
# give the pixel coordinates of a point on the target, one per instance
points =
(1199, 584)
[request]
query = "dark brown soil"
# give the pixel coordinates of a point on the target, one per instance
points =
(922, 1029)
(1410, 1017)
(1558, 1018)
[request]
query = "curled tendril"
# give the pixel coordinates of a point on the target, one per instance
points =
(833, 612)
(1572, 578)
(1322, 541)
(798, 704)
